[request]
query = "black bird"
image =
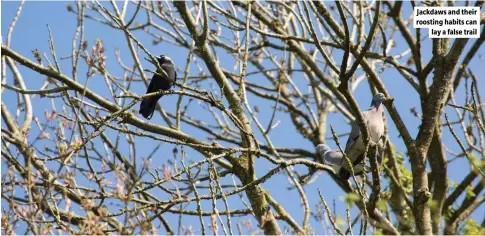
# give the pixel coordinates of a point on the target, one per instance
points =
(159, 82)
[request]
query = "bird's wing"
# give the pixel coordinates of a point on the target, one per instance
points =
(151, 89)
(376, 123)
(170, 70)
(333, 157)
(147, 106)
(369, 116)
(353, 136)
(355, 145)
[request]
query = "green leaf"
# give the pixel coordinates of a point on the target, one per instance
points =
(433, 204)
(382, 205)
(351, 198)
(472, 228)
(449, 212)
(62, 147)
(74, 145)
(340, 222)
(378, 232)
(469, 192)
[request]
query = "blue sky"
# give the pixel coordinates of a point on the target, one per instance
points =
(31, 33)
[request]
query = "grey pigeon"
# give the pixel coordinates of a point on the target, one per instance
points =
(333, 159)
(374, 118)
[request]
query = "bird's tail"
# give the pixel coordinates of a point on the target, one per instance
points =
(358, 170)
(344, 174)
(147, 107)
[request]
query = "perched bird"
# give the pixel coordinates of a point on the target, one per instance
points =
(333, 159)
(159, 82)
(374, 118)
